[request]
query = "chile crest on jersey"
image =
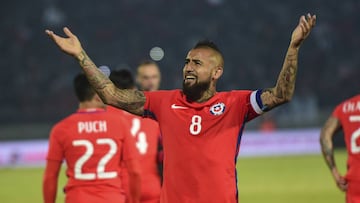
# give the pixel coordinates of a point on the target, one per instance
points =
(217, 109)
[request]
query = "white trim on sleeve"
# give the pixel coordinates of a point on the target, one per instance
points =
(254, 104)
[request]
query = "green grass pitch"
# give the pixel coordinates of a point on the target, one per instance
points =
(295, 179)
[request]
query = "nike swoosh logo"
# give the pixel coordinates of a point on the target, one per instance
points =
(174, 106)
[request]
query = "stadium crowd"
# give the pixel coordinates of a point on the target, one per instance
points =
(253, 36)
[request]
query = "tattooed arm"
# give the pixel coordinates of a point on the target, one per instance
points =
(285, 86)
(128, 100)
(331, 126)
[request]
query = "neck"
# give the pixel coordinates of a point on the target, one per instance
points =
(206, 96)
(90, 105)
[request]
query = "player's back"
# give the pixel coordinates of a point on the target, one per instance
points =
(348, 113)
(145, 133)
(94, 141)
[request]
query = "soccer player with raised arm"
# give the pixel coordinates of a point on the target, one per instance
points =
(200, 127)
(146, 135)
(93, 144)
(346, 118)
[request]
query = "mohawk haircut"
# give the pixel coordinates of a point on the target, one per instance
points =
(207, 44)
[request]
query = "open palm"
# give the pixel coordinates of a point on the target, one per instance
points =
(70, 44)
(302, 30)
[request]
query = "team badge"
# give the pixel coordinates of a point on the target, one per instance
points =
(217, 109)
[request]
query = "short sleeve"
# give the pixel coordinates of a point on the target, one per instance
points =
(251, 101)
(153, 102)
(129, 148)
(55, 150)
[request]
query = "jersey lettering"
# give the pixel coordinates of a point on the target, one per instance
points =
(92, 127)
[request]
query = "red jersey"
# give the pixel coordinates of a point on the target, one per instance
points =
(348, 113)
(146, 135)
(93, 142)
(201, 143)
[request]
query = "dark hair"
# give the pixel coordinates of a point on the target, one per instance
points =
(83, 89)
(147, 62)
(122, 79)
(207, 44)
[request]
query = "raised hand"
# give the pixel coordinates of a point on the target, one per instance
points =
(302, 30)
(70, 44)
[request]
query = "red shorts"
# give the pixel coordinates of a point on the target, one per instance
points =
(353, 192)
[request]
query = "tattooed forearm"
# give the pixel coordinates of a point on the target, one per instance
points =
(328, 153)
(98, 80)
(128, 100)
(329, 129)
(285, 86)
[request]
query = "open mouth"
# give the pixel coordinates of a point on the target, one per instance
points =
(190, 78)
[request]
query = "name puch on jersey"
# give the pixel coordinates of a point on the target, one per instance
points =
(92, 127)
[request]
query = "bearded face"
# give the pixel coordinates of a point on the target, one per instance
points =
(200, 72)
(193, 88)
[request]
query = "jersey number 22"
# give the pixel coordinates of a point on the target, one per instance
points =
(100, 169)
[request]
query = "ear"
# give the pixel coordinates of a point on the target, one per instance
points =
(218, 72)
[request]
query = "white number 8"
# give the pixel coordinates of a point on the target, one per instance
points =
(195, 127)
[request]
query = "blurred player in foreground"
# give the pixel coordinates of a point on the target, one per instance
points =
(146, 134)
(148, 76)
(201, 128)
(346, 117)
(93, 143)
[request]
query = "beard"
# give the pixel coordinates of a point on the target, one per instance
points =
(194, 91)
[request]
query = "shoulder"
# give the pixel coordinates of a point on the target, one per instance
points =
(62, 126)
(162, 92)
(350, 105)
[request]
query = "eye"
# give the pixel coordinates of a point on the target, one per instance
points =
(187, 61)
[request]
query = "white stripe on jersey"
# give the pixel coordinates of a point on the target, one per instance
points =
(254, 103)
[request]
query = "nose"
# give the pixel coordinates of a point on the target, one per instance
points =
(188, 68)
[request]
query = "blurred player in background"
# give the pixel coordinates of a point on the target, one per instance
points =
(346, 118)
(146, 134)
(148, 76)
(93, 143)
(201, 128)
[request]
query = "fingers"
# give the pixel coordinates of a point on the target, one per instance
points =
(305, 24)
(342, 183)
(313, 20)
(343, 187)
(68, 32)
(51, 34)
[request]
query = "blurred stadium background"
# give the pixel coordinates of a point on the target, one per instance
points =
(36, 78)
